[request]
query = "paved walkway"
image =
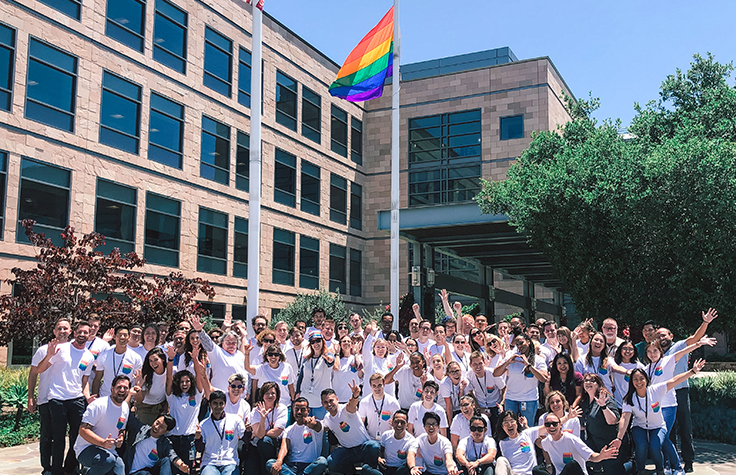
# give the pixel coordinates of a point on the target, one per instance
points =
(711, 459)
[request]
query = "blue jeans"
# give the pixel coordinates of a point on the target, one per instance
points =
(318, 412)
(317, 467)
(651, 440)
(268, 448)
(182, 444)
(343, 460)
(161, 467)
(231, 469)
(530, 412)
(668, 448)
(101, 461)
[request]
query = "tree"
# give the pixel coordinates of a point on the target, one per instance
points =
(74, 280)
(301, 308)
(643, 227)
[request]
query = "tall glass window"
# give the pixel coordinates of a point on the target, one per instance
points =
(44, 198)
(7, 66)
(285, 178)
(244, 77)
(339, 132)
(356, 140)
(337, 268)
(70, 8)
(166, 131)
(3, 190)
(126, 22)
(212, 242)
(338, 199)
(311, 115)
(356, 272)
(240, 251)
(283, 257)
(51, 86)
(115, 216)
(285, 101)
(120, 113)
(444, 158)
(163, 218)
(512, 127)
(310, 188)
(215, 152)
(356, 206)
(218, 55)
(170, 36)
(242, 162)
(308, 262)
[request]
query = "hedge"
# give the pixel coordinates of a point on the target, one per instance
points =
(713, 407)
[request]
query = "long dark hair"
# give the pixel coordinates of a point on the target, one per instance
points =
(474, 345)
(618, 357)
(176, 381)
(603, 361)
(530, 352)
(568, 385)
(500, 434)
(629, 398)
(188, 348)
(147, 371)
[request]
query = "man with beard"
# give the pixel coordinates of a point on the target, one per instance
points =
(301, 445)
(567, 452)
(117, 360)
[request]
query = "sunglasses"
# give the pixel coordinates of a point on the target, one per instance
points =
(269, 341)
(236, 386)
(272, 354)
(477, 429)
(551, 424)
(431, 424)
(342, 327)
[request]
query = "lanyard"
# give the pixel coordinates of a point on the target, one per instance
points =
(220, 434)
(652, 369)
(313, 362)
(482, 389)
(270, 423)
(646, 407)
(299, 359)
(475, 449)
(378, 411)
(117, 368)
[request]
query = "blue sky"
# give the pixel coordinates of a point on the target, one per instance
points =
(620, 51)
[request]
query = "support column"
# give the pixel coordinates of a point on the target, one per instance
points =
(529, 305)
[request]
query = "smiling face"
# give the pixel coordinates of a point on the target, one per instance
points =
(431, 426)
(380, 349)
(328, 330)
(269, 397)
(158, 428)
(120, 391)
(437, 363)
(454, 372)
(342, 330)
(122, 336)
(460, 344)
(481, 322)
(639, 380)
(230, 344)
(552, 424)
(301, 411)
(521, 344)
(346, 345)
(478, 431)
(653, 353)
(282, 332)
(217, 406)
(510, 426)
(62, 330)
(562, 338)
(648, 331)
(415, 363)
(627, 352)
(562, 366)
(235, 389)
(329, 402)
(136, 333)
(377, 388)
(185, 384)
(259, 325)
(94, 327)
(387, 322)
(157, 364)
(149, 336)
(411, 345)
(533, 333)
(428, 394)
(81, 335)
(355, 321)
(296, 337)
(597, 343)
(477, 365)
(556, 405)
(467, 406)
(610, 328)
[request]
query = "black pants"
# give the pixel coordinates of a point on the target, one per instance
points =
(683, 425)
(570, 468)
(45, 437)
(182, 444)
(63, 413)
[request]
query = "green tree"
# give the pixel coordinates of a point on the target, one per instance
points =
(640, 227)
(302, 306)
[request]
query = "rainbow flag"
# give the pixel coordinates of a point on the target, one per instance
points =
(364, 72)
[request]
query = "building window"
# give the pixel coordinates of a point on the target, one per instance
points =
(51, 86)
(7, 66)
(70, 8)
(163, 217)
(215, 155)
(512, 127)
(212, 243)
(244, 74)
(170, 36)
(356, 276)
(126, 22)
(338, 199)
(120, 113)
(356, 206)
(444, 158)
(240, 312)
(3, 190)
(240, 254)
(285, 178)
(166, 131)
(339, 131)
(242, 162)
(115, 216)
(356, 140)
(285, 101)
(218, 54)
(308, 262)
(283, 257)
(310, 188)
(337, 268)
(44, 198)
(311, 115)
(216, 311)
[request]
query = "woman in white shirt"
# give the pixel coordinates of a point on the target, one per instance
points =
(524, 370)
(184, 396)
(269, 419)
(557, 404)
(274, 368)
(350, 371)
(150, 401)
(316, 374)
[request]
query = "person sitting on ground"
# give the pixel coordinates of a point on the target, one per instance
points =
(395, 444)
(477, 451)
(147, 449)
(301, 445)
(217, 438)
(434, 449)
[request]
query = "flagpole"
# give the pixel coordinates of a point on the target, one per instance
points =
(395, 88)
(254, 198)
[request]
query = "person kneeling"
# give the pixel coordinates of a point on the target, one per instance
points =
(477, 451)
(148, 450)
(217, 438)
(301, 445)
(434, 449)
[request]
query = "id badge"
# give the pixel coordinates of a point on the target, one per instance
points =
(522, 406)
(311, 389)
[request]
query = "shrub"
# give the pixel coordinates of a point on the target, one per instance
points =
(18, 426)
(302, 306)
(713, 407)
(30, 427)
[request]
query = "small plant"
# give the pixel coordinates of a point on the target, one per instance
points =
(14, 393)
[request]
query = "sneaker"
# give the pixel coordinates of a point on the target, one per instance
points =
(679, 471)
(688, 467)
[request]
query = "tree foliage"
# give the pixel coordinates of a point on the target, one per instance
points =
(301, 308)
(643, 227)
(74, 280)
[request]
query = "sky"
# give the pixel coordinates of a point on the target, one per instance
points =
(618, 51)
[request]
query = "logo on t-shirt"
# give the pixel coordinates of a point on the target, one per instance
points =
(603, 370)
(658, 371)
(83, 363)
(390, 366)
(655, 406)
(95, 353)
(438, 461)
(401, 454)
(385, 415)
(529, 374)
(490, 389)
(229, 434)
(153, 455)
(525, 447)
(121, 422)
(127, 368)
(307, 437)
(567, 457)
(344, 426)
(626, 378)
(284, 380)
(418, 393)
(192, 401)
(353, 368)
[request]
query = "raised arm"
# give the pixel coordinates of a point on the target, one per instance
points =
(697, 366)
(204, 338)
(170, 353)
(399, 363)
(703, 341)
(352, 406)
(445, 297)
(708, 317)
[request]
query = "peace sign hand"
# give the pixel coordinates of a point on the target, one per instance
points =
(355, 389)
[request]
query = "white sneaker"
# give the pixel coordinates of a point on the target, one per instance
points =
(679, 471)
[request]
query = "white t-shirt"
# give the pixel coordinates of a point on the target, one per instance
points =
(346, 375)
(547, 352)
(582, 347)
(378, 413)
(621, 382)
(572, 426)
(475, 451)
(44, 379)
(583, 367)
(373, 364)
(520, 386)
(306, 443)
(185, 409)
(157, 392)
(294, 358)
(487, 389)
(112, 364)
(277, 418)
(565, 450)
(426, 345)
(448, 389)
(221, 440)
(410, 386)
(225, 365)
(660, 372)
(647, 411)
(433, 455)
(396, 449)
(241, 408)
(461, 426)
(97, 346)
(316, 376)
(140, 351)
(520, 451)
(464, 362)
(283, 375)
(416, 413)
(106, 419)
(146, 454)
(68, 366)
(347, 427)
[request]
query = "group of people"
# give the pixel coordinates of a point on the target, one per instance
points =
(460, 395)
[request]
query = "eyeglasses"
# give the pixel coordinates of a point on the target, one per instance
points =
(236, 386)
(551, 424)
(610, 328)
(431, 424)
(589, 380)
(457, 371)
(270, 340)
(627, 349)
(477, 429)
(272, 354)
(465, 404)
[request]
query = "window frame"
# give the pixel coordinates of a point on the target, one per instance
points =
(20, 236)
(213, 165)
(338, 286)
(335, 145)
(55, 5)
(212, 259)
(338, 215)
(138, 103)
(311, 171)
(185, 28)
(356, 203)
(283, 272)
(282, 117)
(120, 202)
(313, 134)
(181, 120)
(178, 234)
(126, 30)
(242, 66)
(229, 54)
(356, 155)
(240, 268)
(12, 50)
(241, 179)
(4, 158)
(503, 119)
(308, 250)
(282, 195)
(352, 273)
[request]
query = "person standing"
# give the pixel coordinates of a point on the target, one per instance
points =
(567, 452)
(376, 408)
(301, 446)
(524, 369)
(114, 361)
